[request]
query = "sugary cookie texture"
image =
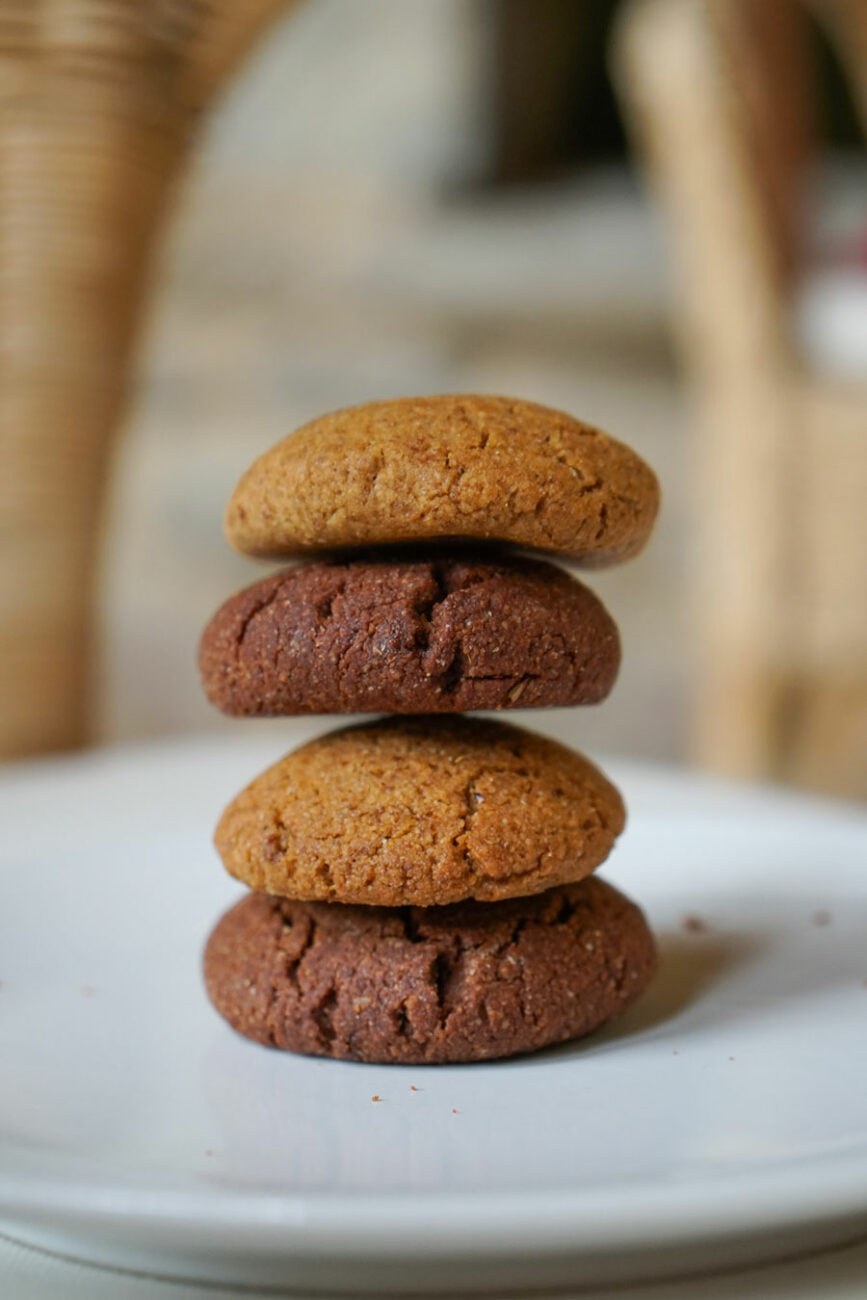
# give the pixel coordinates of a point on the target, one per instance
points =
(442, 635)
(421, 812)
(456, 467)
(469, 982)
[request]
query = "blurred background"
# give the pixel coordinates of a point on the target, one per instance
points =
(219, 220)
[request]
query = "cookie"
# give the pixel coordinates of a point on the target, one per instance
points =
(470, 982)
(411, 636)
(420, 468)
(421, 812)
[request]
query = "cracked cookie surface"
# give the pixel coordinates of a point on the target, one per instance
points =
(422, 468)
(468, 982)
(390, 635)
(421, 812)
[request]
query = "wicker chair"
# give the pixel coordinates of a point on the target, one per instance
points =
(715, 91)
(99, 105)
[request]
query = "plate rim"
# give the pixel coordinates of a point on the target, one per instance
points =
(478, 1223)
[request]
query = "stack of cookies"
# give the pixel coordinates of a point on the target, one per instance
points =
(422, 887)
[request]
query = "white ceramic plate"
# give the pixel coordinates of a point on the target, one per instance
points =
(724, 1119)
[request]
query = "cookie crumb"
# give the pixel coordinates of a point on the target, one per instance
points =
(376, 1097)
(517, 691)
(454, 1112)
(694, 924)
(822, 917)
(413, 1088)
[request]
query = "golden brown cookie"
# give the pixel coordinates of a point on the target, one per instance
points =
(420, 468)
(469, 982)
(409, 636)
(421, 812)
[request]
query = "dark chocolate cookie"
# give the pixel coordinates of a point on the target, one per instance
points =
(427, 635)
(468, 982)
